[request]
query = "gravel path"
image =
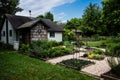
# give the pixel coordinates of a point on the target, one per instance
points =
(97, 69)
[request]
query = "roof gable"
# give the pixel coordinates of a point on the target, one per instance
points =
(48, 23)
(17, 21)
(51, 25)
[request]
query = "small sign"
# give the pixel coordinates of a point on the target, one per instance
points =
(39, 30)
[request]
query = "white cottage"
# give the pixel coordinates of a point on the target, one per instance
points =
(26, 29)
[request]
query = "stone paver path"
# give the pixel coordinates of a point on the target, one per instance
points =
(59, 59)
(97, 69)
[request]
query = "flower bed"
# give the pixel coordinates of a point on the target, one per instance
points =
(96, 54)
(47, 49)
(76, 63)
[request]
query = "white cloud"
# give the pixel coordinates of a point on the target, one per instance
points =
(60, 17)
(38, 7)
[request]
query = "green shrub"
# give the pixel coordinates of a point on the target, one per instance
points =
(95, 56)
(68, 44)
(67, 50)
(51, 48)
(113, 49)
(96, 36)
(5, 46)
(85, 55)
(25, 49)
(91, 55)
(52, 43)
(114, 63)
(39, 51)
(98, 51)
(79, 44)
(103, 44)
(56, 51)
(116, 70)
(98, 57)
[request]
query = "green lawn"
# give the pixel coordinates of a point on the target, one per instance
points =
(95, 43)
(14, 66)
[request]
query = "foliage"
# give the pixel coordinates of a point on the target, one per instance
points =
(91, 20)
(4, 46)
(41, 48)
(67, 44)
(113, 40)
(59, 51)
(95, 56)
(116, 70)
(25, 49)
(114, 63)
(113, 47)
(74, 23)
(47, 15)
(48, 49)
(14, 66)
(96, 36)
(9, 7)
(111, 20)
(68, 35)
(79, 43)
(40, 52)
(98, 51)
(76, 63)
(85, 55)
(101, 43)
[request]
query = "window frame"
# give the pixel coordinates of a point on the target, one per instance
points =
(4, 34)
(52, 34)
(10, 33)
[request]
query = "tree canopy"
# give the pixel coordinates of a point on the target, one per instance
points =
(9, 7)
(47, 15)
(91, 20)
(74, 23)
(111, 16)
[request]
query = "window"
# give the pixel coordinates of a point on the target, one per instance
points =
(10, 32)
(52, 34)
(3, 33)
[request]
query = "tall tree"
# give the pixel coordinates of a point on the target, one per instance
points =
(111, 16)
(92, 20)
(40, 16)
(47, 15)
(9, 7)
(74, 23)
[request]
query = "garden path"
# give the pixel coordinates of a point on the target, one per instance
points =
(97, 69)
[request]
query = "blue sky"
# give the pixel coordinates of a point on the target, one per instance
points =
(63, 10)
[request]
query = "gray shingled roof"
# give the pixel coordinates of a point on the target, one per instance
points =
(17, 21)
(27, 24)
(21, 22)
(51, 26)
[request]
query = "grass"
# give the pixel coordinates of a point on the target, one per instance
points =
(95, 43)
(14, 66)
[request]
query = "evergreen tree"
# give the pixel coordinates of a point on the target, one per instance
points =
(91, 21)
